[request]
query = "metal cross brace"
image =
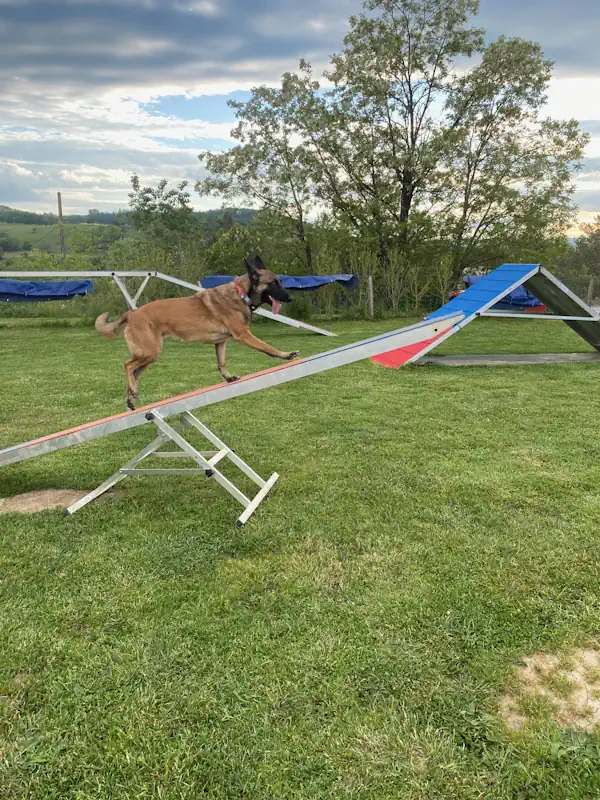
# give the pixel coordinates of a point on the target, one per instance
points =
(207, 464)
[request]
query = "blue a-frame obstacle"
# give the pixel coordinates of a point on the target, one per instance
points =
(478, 301)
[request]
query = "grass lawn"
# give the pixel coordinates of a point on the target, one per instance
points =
(43, 236)
(430, 527)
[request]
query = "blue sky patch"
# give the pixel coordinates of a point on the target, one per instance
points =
(206, 107)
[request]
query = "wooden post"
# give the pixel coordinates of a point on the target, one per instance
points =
(61, 231)
(590, 294)
(370, 301)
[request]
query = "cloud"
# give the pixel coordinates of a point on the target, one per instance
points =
(94, 90)
(189, 42)
(588, 199)
(568, 32)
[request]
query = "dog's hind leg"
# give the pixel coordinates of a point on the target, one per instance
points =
(222, 364)
(134, 368)
(145, 348)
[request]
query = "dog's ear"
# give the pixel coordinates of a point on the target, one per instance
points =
(258, 262)
(250, 267)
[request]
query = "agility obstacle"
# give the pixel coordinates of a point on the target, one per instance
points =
(119, 276)
(206, 462)
(479, 299)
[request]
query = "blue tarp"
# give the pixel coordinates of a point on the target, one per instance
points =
(518, 298)
(302, 283)
(485, 291)
(42, 291)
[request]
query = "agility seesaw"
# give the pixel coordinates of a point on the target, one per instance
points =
(182, 406)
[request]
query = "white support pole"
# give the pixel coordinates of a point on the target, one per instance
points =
(209, 470)
(206, 460)
(129, 299)
(247, 513)
(208, 434)
(293, 323)
(119, 474)
(143, 285)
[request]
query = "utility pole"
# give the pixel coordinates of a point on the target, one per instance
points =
(370, 298)
(61, 230)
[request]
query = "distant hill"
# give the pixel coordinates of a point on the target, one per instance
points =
(23, 230)
(213, 218)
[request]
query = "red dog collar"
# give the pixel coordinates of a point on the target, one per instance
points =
(244, 296)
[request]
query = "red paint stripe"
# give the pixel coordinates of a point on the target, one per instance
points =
(399, 357)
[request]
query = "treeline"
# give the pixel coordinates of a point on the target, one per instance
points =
(164, 234)
(210, 220)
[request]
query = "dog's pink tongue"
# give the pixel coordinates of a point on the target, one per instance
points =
(275, 306)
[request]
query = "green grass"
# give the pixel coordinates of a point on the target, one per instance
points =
(40, 236)
(430, 526)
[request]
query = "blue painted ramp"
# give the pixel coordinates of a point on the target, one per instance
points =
(487, 291)
(492, 288)
(477, 298)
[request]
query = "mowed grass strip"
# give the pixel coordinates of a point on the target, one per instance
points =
(430, 526)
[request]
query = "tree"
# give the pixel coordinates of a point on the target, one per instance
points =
(8, 243)
(506, 181)
(425, 141)
(373, 138)
(583, 258)
(165, 218)
(93, 241)
(267, 167)
(408, 148)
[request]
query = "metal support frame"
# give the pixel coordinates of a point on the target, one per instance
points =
(207, 464)
(128, 298)
(118, 275)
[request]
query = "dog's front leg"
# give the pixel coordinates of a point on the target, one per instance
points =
(220, 348)
(250, 340)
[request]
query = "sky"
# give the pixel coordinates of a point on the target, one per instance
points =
(94, 90)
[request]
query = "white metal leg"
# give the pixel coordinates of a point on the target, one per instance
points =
(206, 460)
(119, 475)
(143, 285)
(128, 298)
(191, 420)
(254, 504)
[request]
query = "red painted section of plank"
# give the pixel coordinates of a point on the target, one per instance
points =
(397, 358)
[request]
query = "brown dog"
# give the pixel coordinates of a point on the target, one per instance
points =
(211, 316)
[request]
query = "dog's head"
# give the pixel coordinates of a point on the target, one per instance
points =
(265, 286)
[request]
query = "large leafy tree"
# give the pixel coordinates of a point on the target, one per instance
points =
(507, 178)
(377, 135)
(267, 167)
(424, 140)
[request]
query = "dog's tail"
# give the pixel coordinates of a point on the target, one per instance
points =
(111, 329)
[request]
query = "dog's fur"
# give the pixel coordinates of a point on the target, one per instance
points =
(211, 316)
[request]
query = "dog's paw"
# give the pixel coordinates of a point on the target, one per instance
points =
(130, 404)
(291, 356)
(232, 378)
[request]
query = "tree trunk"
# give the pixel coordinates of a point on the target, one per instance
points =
(309, 258)
(406, 196)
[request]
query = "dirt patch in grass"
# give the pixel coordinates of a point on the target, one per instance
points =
(567, 688)
(44, 500)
